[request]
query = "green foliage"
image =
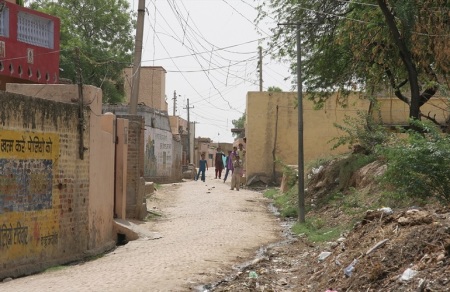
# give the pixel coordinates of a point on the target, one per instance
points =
(103, 31)
(274, 89)
(270, 193)
(316, 230)
(358, 52)
(291, 173)
(239, 123)
(395, 199)
(348, 166)
(419, 165)
(361, 130)
(285, 203)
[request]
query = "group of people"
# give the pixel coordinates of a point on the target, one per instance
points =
(233, 162)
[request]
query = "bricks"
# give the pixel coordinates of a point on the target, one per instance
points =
(47, 205)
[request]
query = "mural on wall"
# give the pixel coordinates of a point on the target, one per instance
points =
(158, 152)
(28, 162)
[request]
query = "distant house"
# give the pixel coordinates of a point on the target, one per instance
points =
(29, 46)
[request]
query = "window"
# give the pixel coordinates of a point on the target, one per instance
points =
(4, 21)
(35, 30)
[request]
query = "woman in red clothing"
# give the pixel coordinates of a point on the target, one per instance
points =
(218, 162)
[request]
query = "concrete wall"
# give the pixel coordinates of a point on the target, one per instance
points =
(176, 172)
(396, 112)
(318, 126)
(51, 209)
(158, 143)
(135, 166)
(122, 126)
(101, 175)
(152, 87)
(158, 153)
(202, 145)
(260, 131)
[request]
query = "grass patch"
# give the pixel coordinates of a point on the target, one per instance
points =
(271, 193)
(287, 203)
(315, 230)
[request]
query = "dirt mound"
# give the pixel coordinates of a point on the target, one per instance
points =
(386, 250)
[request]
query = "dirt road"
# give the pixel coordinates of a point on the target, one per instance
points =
(205, 229)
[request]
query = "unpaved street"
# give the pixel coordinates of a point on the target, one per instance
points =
(205, 229)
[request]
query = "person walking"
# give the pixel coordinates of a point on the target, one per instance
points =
(242, 154)
(218, 162)
(229, 165)
(236, 177)
(202, 167)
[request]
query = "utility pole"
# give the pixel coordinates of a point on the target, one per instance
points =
(301, 170)
(260, 70)
(174, 102)
(301, 167)
(137, 58)
(189, 132)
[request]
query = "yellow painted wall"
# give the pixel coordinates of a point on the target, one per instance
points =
(318, 126)
(29, 224)
(260, 131)
(152, 86)
(57, 209)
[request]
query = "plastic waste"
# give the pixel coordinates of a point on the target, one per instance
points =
(253, 275)
(349, 269)
(323, 255)
(408, 274)
(317, 170)
(386, 210)
(331, 290)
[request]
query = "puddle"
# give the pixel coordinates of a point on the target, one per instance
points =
(260, 254)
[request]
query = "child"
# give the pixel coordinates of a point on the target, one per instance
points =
(202, 166)
(228, 165)
(236, 177)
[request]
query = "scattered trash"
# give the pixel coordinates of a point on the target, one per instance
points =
(349, 269)
(323, 255)
(253, 275)
(386, 210)
(317, 170)
(331, 290)
(341, 239)
(379, 244)
(422, 285)
(408, 274)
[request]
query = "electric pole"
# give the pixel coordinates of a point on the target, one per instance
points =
(189, 132)
(137, 58)
(260, 69)
(174, 102)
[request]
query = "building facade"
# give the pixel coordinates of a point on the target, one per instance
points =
(29, 46)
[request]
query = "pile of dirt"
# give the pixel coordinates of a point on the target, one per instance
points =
(387, 250)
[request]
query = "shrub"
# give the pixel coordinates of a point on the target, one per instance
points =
(362, 130)
(419, 165)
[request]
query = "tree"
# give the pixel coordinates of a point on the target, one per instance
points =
(366, 45)
(274, 89)
(102, 29)
(239, 124)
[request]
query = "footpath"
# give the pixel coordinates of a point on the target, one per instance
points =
(205, 229)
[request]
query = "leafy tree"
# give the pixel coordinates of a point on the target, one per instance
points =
(367, 45)
(239, 123)
(102, 30)
(274, 89)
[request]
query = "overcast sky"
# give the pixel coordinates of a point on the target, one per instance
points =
(209, 49)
